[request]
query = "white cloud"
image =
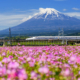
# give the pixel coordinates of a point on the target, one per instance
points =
(12, 20)
(26, 18)
(76, 9)
(15, 17)
(73, 14)
(64, 9)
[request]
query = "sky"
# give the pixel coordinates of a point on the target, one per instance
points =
(15, 12)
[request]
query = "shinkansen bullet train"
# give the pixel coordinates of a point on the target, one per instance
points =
(54, 38)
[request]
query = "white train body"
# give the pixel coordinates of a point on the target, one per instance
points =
(54, 38)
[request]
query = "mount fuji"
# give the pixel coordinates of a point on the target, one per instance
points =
(48, 21)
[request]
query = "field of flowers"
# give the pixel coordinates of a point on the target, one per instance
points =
(40, 63)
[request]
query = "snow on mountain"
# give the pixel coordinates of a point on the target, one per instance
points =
(50, 14)
(48, 11)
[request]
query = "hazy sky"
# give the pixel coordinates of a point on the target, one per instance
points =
(14, 12)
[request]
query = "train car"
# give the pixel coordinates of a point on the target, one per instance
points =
(54, 38)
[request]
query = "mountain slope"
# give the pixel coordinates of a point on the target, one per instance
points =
(47, 21)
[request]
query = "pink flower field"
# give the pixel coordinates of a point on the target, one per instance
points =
(40, 63)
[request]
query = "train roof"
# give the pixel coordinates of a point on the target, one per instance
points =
(54, 37)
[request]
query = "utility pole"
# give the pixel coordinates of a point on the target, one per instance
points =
(62, 36)
(62, 32)
(59, 32)
(10, 36)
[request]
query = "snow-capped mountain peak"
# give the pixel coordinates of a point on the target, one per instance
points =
(47, 13)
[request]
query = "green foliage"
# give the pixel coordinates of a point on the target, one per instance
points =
(17, 37)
